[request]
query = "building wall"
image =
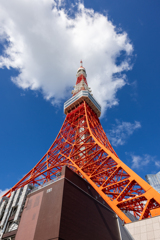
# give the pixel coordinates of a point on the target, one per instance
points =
(29, 217)
(146, 229)
(42, 212)
(84, 218)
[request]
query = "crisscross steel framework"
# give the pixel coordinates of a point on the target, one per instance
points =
(82, 145)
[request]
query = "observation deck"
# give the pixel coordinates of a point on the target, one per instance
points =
(83, 95)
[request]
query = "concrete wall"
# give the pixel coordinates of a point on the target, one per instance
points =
(147, 229)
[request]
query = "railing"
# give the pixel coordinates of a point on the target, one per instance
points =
(81, 94)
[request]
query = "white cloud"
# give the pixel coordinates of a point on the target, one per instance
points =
(140, 161)
(2, 192)
(157, 163)
(45, 44)
(121, 131)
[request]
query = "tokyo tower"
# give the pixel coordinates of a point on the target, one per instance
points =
(83, 146)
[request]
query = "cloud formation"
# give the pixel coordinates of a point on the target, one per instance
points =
(139, 162)
(45, 44)
(157, 163)
(121, 131)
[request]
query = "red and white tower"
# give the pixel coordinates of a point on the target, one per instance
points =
(83, 146)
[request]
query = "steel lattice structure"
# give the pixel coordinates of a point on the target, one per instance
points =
(83, 146)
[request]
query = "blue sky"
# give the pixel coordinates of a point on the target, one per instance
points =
(41, 45)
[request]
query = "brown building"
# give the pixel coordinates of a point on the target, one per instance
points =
(67, 209)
